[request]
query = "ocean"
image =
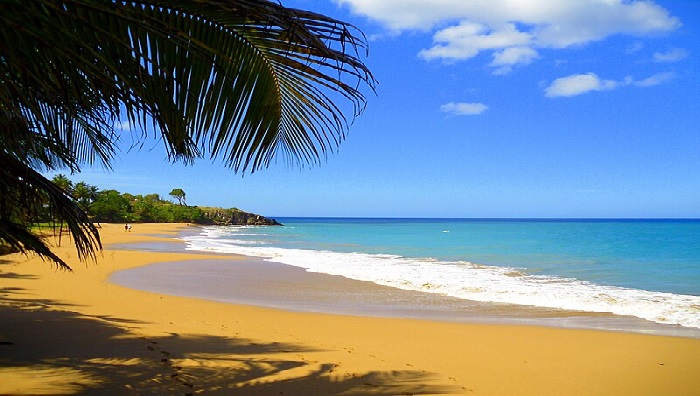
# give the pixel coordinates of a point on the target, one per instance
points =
(648, 269)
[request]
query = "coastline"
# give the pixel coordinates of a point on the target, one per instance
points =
(294, 289)
(76, 332)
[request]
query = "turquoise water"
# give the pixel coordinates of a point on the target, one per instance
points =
(645, 268)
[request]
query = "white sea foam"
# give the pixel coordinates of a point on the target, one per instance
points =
(467, 280)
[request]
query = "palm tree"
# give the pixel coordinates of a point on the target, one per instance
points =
(244, 81)
(63, 182)
(84, 194)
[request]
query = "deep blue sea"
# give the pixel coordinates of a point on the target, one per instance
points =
(644, 268)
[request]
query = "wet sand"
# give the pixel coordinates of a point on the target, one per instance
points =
(71, 333)
(254, 281)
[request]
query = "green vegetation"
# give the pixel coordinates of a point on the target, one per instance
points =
(241, 81)
(111, 206)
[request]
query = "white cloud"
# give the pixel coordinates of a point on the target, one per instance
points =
(465, 28)
(673, 55)
(505, 60)
(578, 84)
(463, 108)
(123, 126)
(656, 79)
(467, 39)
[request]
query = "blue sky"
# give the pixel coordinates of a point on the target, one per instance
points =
(488, 108)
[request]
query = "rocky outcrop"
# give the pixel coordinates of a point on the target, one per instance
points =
(219, 216)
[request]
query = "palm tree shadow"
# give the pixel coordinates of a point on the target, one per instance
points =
(66, 352)
(13, 275)
(395, 382)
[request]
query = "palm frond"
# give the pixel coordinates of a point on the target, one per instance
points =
(26, 192)
(246, 81)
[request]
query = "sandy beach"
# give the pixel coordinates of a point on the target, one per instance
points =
(76, 333)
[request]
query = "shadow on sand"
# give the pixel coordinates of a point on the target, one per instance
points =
(64, 352)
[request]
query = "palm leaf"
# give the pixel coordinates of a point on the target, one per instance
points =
(246, 81)
(25, 191)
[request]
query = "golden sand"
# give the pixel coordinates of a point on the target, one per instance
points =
(73, 332)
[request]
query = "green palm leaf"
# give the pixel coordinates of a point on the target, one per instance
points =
(244, 81)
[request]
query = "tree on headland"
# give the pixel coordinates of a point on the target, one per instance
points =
(244, 81)
(117, 207)
(178, 194)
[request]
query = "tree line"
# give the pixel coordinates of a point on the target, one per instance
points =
(112, 206)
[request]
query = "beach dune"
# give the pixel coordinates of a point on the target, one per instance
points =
(75, 332)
